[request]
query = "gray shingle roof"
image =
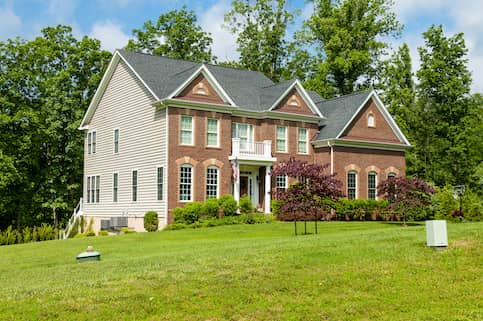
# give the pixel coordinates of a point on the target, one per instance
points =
(338, 112)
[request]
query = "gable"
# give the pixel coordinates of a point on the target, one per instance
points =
(201, 90)
(293, 103)
(359, 129)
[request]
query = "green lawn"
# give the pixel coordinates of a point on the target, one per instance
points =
(349, 271)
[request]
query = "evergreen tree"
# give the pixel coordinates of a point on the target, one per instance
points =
(176, 34)
(260, 28)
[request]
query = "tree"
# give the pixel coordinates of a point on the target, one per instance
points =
(45, 87)
(444, 129)
(398, 87)
(260, 28)
(313, 193)
(176, 34)
(346, 35)
(407, 196)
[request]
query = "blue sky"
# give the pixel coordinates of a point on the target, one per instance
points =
(112, 21)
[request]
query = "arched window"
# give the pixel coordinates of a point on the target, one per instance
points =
(351, 185)
(371, 122)
(371, 185)
(186, 182)
(212, 182)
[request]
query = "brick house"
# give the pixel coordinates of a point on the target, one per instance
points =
(161, 132)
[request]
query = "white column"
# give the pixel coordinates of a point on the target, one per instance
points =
(236, 183)
(267, 189)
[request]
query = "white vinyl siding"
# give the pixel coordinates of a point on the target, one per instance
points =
(302, 141)
(281, 139)
(127, 106)
(186, 132)
(212, 132)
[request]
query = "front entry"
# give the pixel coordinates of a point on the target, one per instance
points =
(248, 186)
(250, 183)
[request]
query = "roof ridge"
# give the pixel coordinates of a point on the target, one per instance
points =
(348, 95)
(279, 83)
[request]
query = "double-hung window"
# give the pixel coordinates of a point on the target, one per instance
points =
(93, 189)
(186, 130)
(115, 186)
(281, 182)
(134, 185)
(91, 142)
(116, 141)
(351, 185)
(371, 185)
(212, 132)
(302, 141)
(185, 182)
(212, 182)
(159, 183)
(281, 138)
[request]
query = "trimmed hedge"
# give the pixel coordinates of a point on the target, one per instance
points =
(151, 221)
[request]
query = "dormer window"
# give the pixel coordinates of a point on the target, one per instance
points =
(200, 89)
(293, 101)
(371, 122)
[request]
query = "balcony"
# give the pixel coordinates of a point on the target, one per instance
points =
(252, 151)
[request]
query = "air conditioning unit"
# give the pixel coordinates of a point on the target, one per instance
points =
(436, 234)
(118, 222)
(105, 224)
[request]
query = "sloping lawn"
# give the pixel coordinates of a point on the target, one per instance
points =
(349, 271)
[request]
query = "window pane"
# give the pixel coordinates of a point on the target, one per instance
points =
(98, 189)
(302, 140)
(281, 182)
(281, 141)
(93, 142)
(186, 130)
(89, 143)
(115, 178)
(212, 132)
(160, 183)
(134, 186)
(351, 185)
(88, 189)
(212, 182)
(371, 186)
(185, 180)
(116, 140)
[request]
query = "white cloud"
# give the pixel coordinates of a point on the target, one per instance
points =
(224, 43)
(110, 34)
(61, 11)
(11, 23)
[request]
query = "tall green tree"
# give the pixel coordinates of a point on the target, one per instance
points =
(398, 87)
(347, 38)
(176, 34)
(46, 85)
(444, 129)
(260, 27)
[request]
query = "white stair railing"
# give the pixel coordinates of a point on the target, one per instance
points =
(75, 215)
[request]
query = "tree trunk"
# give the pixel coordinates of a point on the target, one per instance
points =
(295, 226)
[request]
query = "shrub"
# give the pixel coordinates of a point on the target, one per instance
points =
(45, 232)
(151, 221)
(103, 233)
(127, 230)
(35, 234)
(275, 207)
(360, 209)
(246, 205)
(175, 226)
(228, 205)
(178, 215)
(79, 235)
(210, 208)
(90, 233)
(444, 205)
(192, 212)
(27, 234)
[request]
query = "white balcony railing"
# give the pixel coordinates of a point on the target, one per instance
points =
(251, 150)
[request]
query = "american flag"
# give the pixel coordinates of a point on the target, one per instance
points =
(234, 166)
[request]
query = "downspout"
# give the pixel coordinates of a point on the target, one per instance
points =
(331, 157)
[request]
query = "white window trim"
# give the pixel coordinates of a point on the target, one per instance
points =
(192, 130)
(306, 141)
(113, 201)
(217, 132)
(114, 140)
(217, 181)
(90, 134)
(375, 184)
(192, 183)
(286, 139)
(162, 183)
(137, 185)
(97, 199)
(369, 117)
(286, 182)
(356, 183)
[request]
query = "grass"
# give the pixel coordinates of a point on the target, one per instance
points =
(349, 271)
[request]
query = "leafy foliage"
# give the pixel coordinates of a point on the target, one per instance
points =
(312, 195)
(210, 208)
(409, 197)
(246, 205)
(151, 221)
(176, 34)
(228, 205)
(346, 35)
